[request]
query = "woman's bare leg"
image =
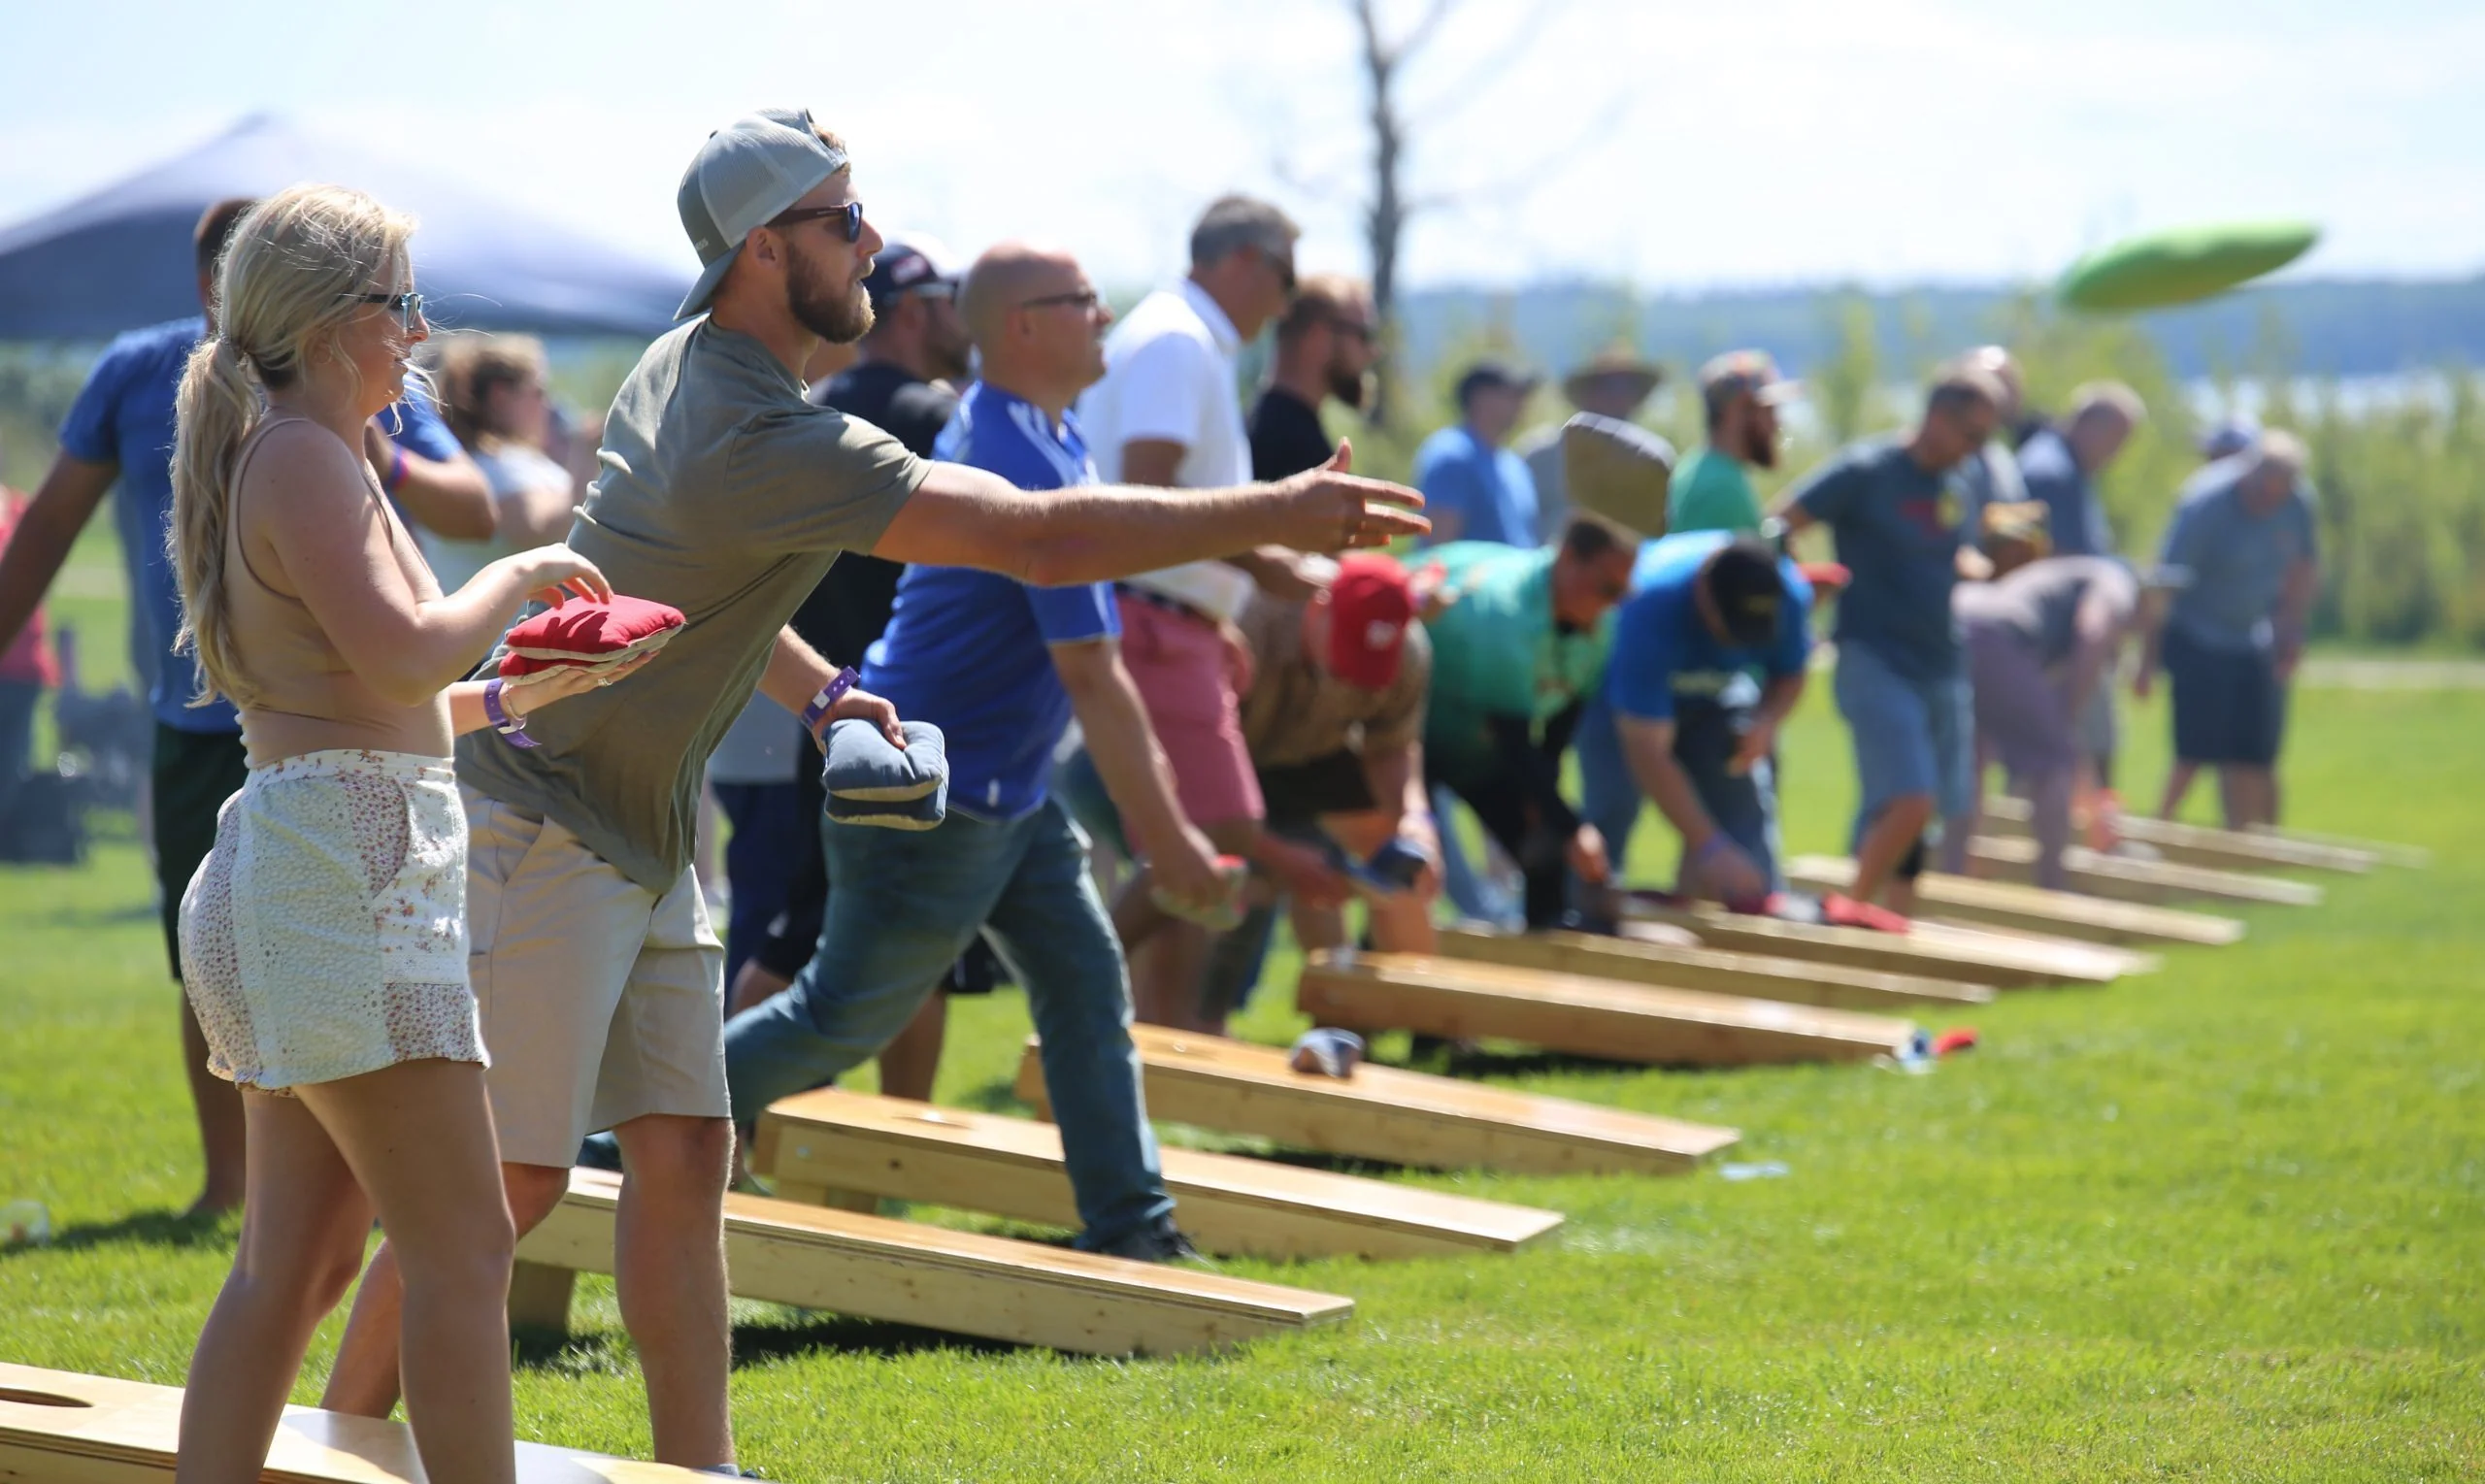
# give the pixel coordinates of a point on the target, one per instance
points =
(419, 1138)
(303, 1227)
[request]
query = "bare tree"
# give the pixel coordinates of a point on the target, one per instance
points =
(1390, 205)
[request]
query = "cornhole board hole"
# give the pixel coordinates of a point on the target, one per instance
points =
(1602, 1018)
(2126, 879)
(1387, 1113)
(58, 1427)
(1713, 971)
(2010, 905)
(2385, 852)
(1933, 950)
(961, 1282)
(830, 1147)
(2198, 844)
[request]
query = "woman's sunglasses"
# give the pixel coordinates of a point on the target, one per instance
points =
(406, 305)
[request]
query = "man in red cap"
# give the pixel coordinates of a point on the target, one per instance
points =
(1335, 723)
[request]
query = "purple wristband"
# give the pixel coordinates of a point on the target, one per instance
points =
(1710, 847)
(498, 715)
(829, 695)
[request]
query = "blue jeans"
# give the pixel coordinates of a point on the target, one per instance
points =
(1705, 736)
(761, 856)
(1912, 737)
(18, 701)
(905, 905)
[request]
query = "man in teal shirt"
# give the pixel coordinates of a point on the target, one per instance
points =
(1740, 391)
(1513, 657)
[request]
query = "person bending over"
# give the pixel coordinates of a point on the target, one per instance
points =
(1708, 658)
(1513, 657)
(1335, 719)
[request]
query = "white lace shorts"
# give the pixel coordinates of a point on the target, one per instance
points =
(325, 934)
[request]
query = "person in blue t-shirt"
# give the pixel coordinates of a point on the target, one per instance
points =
(1899, 514)
(1002, 669)
(120, 428)
(1707, 661)
(1474, 487)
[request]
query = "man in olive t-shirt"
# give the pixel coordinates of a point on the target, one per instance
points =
(726, 494)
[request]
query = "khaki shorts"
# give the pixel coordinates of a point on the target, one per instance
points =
(601, 1001)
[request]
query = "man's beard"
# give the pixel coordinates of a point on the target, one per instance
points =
(1349, 387)
(1760, 448)
(839, 316)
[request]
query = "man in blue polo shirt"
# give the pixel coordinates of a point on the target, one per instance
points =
(1002, 668)
(1707, 661)
(1898, 511)
(120, 428)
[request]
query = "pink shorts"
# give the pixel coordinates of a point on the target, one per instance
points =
(1190, 674)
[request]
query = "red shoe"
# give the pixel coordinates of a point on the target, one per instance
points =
(1956, 1038)
(1844, 912)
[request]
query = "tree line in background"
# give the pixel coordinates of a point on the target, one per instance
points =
(2402, 480)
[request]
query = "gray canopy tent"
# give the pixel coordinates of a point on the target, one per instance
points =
(120, 257)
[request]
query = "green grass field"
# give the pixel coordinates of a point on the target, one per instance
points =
(2221, 1222)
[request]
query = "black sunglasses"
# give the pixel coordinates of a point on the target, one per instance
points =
(852, 211)
(1086, 299)
(407, 305)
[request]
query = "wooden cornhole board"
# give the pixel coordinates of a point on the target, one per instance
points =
(962, 1282)
(1714, 971)
(832, 1147)
(1603, 1018)
(2126, 879)
(1388, 1113)
(58, 1427)
(2384, 852)
(2197, 844)
(1935, 950)
(2011, 905)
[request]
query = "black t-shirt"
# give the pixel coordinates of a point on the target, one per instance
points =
(846, 614)
(1287, 435)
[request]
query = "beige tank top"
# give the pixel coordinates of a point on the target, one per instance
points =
(309, 698)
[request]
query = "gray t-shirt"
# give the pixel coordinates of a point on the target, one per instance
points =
(2040, 602)
(2227, 565)
(726, 495)
(2075, 516)
(1898, 529)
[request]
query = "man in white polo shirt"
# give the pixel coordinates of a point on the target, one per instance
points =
(1169, 413)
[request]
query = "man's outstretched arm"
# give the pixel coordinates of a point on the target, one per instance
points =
(965, 517)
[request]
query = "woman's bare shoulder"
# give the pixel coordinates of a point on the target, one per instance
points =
(299, 464)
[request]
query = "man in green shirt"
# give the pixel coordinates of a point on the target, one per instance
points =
(1742, 392)
(1513, 658)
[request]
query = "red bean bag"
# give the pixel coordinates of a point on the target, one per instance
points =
(596, 635)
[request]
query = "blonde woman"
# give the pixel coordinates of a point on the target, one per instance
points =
(493, 391)
(327, 930)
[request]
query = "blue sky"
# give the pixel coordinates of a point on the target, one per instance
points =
(1675, 147)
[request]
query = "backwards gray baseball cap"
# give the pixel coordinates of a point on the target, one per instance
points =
(745, 175)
